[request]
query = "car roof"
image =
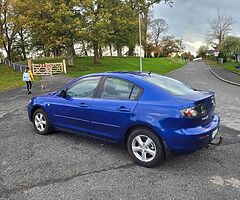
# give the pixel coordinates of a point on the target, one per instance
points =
(124, 74)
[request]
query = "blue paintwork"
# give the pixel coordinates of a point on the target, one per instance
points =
(156, 109)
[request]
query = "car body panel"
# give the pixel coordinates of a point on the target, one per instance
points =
(110, 117)
(71, 113)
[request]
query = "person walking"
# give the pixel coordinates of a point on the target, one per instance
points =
(28, 78)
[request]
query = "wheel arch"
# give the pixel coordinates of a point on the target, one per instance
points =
(137, 126)
(167, 153)
(34, 109)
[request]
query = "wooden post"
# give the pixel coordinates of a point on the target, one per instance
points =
(64, 66)
(30, 64)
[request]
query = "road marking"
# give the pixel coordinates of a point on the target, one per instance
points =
(218, 180)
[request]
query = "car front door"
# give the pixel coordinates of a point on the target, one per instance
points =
(113, 110)
(72, 110)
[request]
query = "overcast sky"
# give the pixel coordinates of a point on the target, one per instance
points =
(188, 19)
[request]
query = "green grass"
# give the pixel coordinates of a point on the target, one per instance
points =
(85, 65)
(231, 66)
(9, 78)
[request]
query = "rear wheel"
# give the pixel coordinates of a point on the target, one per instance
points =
(145, 148)
(41, 122)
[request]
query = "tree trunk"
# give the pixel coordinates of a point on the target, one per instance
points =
(70, 55)
(56, 51)
(73, 49)
(110, 47)
(84, 48)
(119, 51)
(95, 48)
(44, 50)
(22, 44)
(100, 52)
(8, 54)
(130, 51)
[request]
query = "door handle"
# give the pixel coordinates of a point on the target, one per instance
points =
(83, 105)
(123, 109)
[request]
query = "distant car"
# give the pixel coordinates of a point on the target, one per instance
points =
(197, 59)
(153, 115)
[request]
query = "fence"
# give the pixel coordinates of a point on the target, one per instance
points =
(15, 66)
(39, 69)
(49, 68)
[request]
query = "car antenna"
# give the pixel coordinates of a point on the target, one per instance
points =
(149, 73)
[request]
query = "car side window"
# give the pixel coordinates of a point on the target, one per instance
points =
(119, 89)
(84, 88)
(135, 92)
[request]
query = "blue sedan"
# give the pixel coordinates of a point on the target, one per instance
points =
(153, 115)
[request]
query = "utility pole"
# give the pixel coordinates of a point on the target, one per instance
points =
(140, 40)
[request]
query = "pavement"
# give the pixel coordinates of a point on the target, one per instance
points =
(225, 75)
(68, 166)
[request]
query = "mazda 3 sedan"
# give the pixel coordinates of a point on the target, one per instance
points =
(153, 115)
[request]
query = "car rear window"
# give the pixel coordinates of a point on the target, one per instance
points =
(171, 85)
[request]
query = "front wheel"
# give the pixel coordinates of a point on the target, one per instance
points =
(145, 148)
(41, 122)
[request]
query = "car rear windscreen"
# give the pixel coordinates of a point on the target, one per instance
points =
(171, 85)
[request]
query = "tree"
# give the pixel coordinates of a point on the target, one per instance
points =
(52, 24)
(231, 46)
(202, 51)
(187, 56)
(8, 26)
(96, 22)
(170, 45)
(219, 27)
(144, 6)
(156, 28)
(123, 27)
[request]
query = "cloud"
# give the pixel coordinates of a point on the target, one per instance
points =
(188, 19)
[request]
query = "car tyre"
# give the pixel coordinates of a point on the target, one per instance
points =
(145, 147)
(41, 122)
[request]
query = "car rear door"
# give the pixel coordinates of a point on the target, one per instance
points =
(112, 112)
(72, 111)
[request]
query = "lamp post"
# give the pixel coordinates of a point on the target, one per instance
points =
(140, 40)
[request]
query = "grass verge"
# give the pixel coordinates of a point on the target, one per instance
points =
(84, 65)
(231, 66)
(9, 78)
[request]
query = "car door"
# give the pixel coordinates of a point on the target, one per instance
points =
(113, 110)
(72, 110)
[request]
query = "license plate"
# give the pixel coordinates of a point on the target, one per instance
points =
(214, 133)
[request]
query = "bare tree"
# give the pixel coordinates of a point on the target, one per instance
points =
(220, 26)
(156, 29)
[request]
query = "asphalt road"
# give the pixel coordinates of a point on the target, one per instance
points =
(67, 166)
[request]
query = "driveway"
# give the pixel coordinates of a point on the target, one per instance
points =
(67, 166)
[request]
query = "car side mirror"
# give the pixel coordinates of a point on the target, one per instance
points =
(63, 93)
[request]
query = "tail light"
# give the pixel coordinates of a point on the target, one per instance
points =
(190, 112)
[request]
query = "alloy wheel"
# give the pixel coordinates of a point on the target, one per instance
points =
(40, 122)
(144, 148)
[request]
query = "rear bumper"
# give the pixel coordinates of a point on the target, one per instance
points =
(189, 140)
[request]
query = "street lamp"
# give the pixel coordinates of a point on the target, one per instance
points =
(140, 39)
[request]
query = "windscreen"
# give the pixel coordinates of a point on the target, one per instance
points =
(171, 85)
